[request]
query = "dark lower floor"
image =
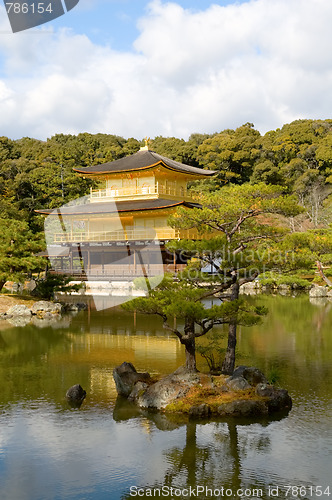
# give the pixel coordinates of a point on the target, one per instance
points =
(117, 260)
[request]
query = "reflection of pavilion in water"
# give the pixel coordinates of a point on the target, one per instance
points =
(121, 229)
(101, 352)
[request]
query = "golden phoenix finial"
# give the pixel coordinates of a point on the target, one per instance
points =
(147, 142)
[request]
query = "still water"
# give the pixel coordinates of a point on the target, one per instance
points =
(108, 449)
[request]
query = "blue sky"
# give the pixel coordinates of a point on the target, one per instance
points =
(114, 22)
(171, 68)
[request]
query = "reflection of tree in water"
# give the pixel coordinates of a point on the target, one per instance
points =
(214, 460)
(184, 462)
(33, 361)
(213, 464)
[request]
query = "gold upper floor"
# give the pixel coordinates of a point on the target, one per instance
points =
(146, 190)
(152, 183)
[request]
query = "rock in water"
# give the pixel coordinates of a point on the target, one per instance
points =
(42, 308)
(278, 399)
(237, 384)
(125, 377)
(200, 411)
(18, 310)
(251, 374)
(243, 408)
(75, 395)
(318, 291)
(169, 389)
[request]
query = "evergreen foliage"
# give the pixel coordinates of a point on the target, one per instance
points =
(48, 286)
(38, 174)
(183, 299)
(18, 248)
(246, 223)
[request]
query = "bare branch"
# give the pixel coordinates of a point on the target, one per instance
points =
(166, 326)
(252, 213)
(219, 289)
(248, 280)
(242, 245)
(321, 272)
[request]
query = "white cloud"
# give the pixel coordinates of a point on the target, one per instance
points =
(261, 61)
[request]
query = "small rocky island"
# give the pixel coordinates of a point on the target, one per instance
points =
(245, 393)
(40, 313)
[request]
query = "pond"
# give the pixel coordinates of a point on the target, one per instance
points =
(109, 450)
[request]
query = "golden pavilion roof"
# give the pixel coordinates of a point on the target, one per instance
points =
(116, 206)
(144, 159)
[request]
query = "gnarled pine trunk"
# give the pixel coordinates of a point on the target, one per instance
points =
(188, 340)
(229, 360)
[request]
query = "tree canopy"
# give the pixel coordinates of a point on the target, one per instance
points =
(183, 299)
(18, 248)
(38, 174)
(247, 223)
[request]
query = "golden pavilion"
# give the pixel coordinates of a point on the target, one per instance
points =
(122, 226)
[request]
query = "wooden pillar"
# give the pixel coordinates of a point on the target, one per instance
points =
(89, 261)
(71, 258)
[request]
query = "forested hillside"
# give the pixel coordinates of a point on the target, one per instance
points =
(36, 174)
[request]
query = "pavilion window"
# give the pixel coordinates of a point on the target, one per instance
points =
(146, 188)
(79, 226)
(114, 190)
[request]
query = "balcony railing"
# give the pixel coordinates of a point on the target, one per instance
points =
(138, 192)
(125, 235)
(118, 271)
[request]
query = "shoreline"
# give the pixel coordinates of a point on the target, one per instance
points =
(9, 300)
(253, 288)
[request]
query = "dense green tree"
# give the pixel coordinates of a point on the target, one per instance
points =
(190, 150)
(171, 147)
(179, 149)
(232, 153)
(130, 147)
(38, 174)
(299, 157)
(250, 222)
(309, 249)
(183, 299)
(296, 147)
(7, 149)
(18, 248)
(31, 149)
(111, 148)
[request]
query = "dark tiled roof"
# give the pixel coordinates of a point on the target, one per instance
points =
(142, 160)
(116, 206)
